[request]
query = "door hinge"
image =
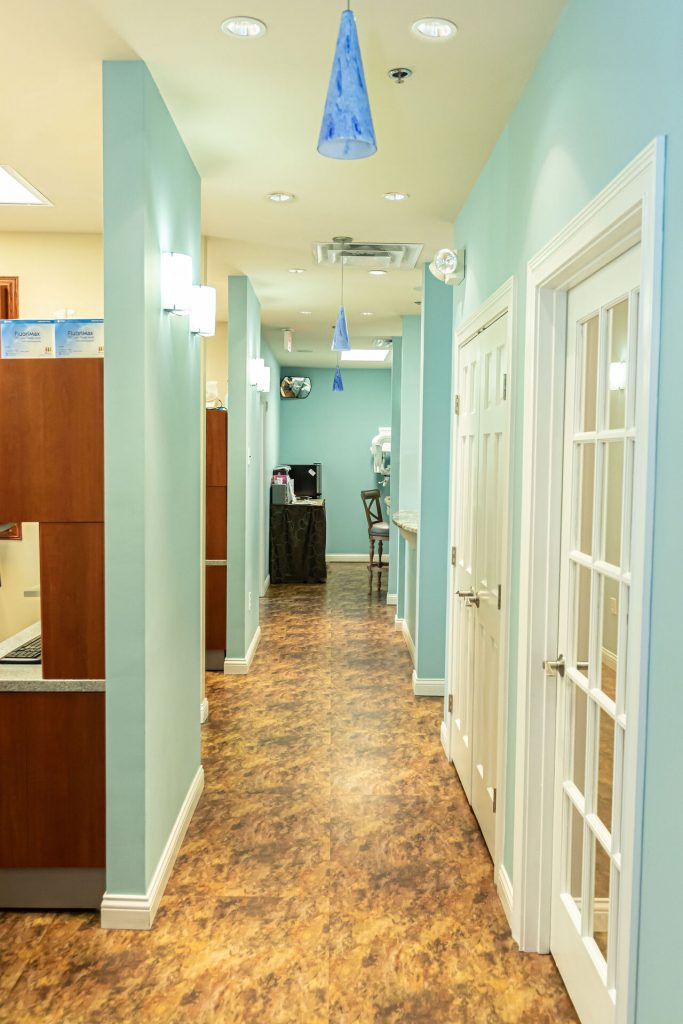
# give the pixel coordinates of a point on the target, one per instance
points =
(454, 556)
(500, 595)
(505, 386)
(457, 405)
(495, 800)
(450, 703)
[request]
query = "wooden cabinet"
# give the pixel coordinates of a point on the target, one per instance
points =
(216, 534)
(52, 797)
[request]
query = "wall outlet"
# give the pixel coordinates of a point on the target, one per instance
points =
(249, 601)
(613, 605)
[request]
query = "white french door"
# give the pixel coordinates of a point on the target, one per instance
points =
(480, 522)
(600, 436)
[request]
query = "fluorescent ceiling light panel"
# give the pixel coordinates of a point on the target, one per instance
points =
(16, 191)
(364, 355)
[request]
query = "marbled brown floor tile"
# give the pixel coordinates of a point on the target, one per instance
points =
(333, 872)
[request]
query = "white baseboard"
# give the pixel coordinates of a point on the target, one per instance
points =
(504, 886)
(410, 643)
(392, 598)
(398, 624)
(240, 666)
(266, 585)
(138, 912)
(204, 710)
(444, 740)
(609, 659)
(428, 687)
(349, 558)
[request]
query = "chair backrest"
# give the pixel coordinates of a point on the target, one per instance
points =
(371, 504)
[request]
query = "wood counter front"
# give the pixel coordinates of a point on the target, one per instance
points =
(52, 796)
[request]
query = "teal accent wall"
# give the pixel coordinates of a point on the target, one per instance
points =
(336, 428)
(435, 427)
(153, 418)
(244, 467)
(394, 535)
(608, 83)
(271, 448)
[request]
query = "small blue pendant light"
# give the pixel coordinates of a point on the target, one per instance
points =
(340, 338)
(337, 383)
(347, 132)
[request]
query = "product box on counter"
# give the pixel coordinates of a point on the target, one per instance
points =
(27, 339)
(79, 339)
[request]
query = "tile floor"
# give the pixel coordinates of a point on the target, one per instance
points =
(332, 874)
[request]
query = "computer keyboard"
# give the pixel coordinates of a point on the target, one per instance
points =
(29, 653)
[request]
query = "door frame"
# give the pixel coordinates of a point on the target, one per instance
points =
(626, 213)
(497, 305)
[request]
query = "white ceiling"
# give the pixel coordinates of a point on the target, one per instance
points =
(249, 111)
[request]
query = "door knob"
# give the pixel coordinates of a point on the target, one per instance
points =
(554, 668)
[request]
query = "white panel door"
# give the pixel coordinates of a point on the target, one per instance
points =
(480, 521)
(467, 460)
(599, 444)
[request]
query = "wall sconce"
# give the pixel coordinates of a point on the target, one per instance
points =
(617, 376)
(259, 375)
(256, 367)
(176, 282)
(203, 311)
(449, 266)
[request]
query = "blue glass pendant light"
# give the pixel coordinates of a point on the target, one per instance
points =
(340, 338)
(337, 383)
(347, 132)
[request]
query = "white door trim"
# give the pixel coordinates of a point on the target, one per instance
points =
(497, 305)
(629, 211)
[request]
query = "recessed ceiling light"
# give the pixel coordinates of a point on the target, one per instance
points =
(396, 197)
(377, 273)
(297, 270)
(243, 27)
(435, 28)
(281, 197)
(306, 312)
(16, 191)
(368, 314)
(364, 355)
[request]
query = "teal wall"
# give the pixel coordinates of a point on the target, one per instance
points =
(608, 83)
(153, 416)
(244, 467)
(435, 427)
(394, 535)
(409, 457)
(272, 444)
(336, 428)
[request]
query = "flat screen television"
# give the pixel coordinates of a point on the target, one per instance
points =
(308, 480)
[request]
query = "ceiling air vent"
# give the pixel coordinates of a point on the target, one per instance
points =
(368, 255)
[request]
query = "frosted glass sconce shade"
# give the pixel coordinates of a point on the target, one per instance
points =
(347, 132)
(340, 338)
(203, 312)
(176, 282)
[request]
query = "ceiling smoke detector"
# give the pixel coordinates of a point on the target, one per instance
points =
(377, 256)
(399, 75)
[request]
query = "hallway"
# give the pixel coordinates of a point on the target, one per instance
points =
(332, 872)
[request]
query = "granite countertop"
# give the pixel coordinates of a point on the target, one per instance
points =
(29, 678)
(407, 521)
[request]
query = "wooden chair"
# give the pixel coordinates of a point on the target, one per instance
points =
(378, 531)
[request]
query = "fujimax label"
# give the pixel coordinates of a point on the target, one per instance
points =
(79, 339)
(27, 339)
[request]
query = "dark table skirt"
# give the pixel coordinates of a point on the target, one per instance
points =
(297, 544)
